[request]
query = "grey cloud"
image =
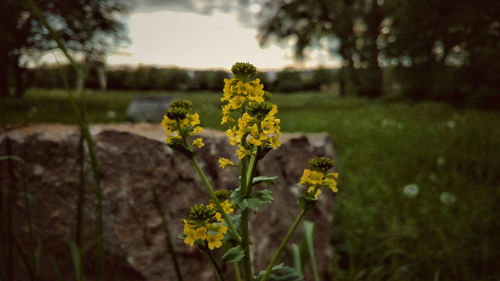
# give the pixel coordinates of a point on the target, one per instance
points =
(206, 7)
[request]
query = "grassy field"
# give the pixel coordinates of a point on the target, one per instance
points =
(419, 182)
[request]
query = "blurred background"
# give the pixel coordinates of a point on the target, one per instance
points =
(408, 90)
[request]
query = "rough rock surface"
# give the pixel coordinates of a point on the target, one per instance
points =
(133, 161)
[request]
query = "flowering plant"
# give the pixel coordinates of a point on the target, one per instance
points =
(255, 130)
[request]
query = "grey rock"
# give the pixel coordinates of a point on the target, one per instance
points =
(148, 109)
(133, 161)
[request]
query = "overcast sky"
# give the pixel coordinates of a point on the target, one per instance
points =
(203, 34)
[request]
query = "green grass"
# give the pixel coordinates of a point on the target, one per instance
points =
(379, 233)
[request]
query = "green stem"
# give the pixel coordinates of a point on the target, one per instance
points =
(218, 273)
(214, 198)
(183, 135)
(84, 128)
(285, 240)
(236, 270)
(245, 243)
(243, 176)
(80, 218)
(251, 167)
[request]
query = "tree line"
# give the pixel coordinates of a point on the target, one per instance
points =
(445, 50)
(177, 79)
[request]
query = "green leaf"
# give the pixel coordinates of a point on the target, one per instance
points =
(233, 255)
(12, 157)
(77, 262)
(57, 271)
(308, 235)
(297, 261)
(281, 273)
(253, 201)
(262, 179)
(236, 197)
(235, 220)
(38, 256)
(256, 199)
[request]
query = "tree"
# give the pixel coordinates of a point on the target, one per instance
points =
(88, 27)
(313, 21)
(288, 80)
(446, 49)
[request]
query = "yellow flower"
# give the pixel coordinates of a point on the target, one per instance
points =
(227, 206)
(333, 175)
(198, 142)
(305, 176)
(273, 111)
(222, 229)
(244, 120)
(310, 190)
(200, 233)
(268, 126)
(241, 88)
(194, 119)
(316, 178)
(331, 184)
(226, 119)
(226, 109)
(171, 139)
(214, 240)
(189, 240)
(189, 232)
(218, 216)
(237, 102)
(223, 162)
(311, 177)
(275, 140)
(165, 121)
(242, 152)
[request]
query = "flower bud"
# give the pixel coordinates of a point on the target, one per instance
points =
(182, 104)
(259, 110)
(202, 213)
(177, 113)
(243, 70)
(322, 164)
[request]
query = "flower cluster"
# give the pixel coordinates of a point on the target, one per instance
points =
(223, 197)
(256, 123)
(204, 224)
(318, 176)
(179, 123)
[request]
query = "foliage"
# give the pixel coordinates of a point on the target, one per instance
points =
(288, 80)
(88, 27)
(449, 54)
(379, 232)
(349, 28)
(441, 50)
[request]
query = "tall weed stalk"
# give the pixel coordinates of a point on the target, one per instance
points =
(80, 112)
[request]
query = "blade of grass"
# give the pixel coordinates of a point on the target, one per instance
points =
(77, 262)
(57, 271)
(297, 262)
(85, 131)
(308, 235)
